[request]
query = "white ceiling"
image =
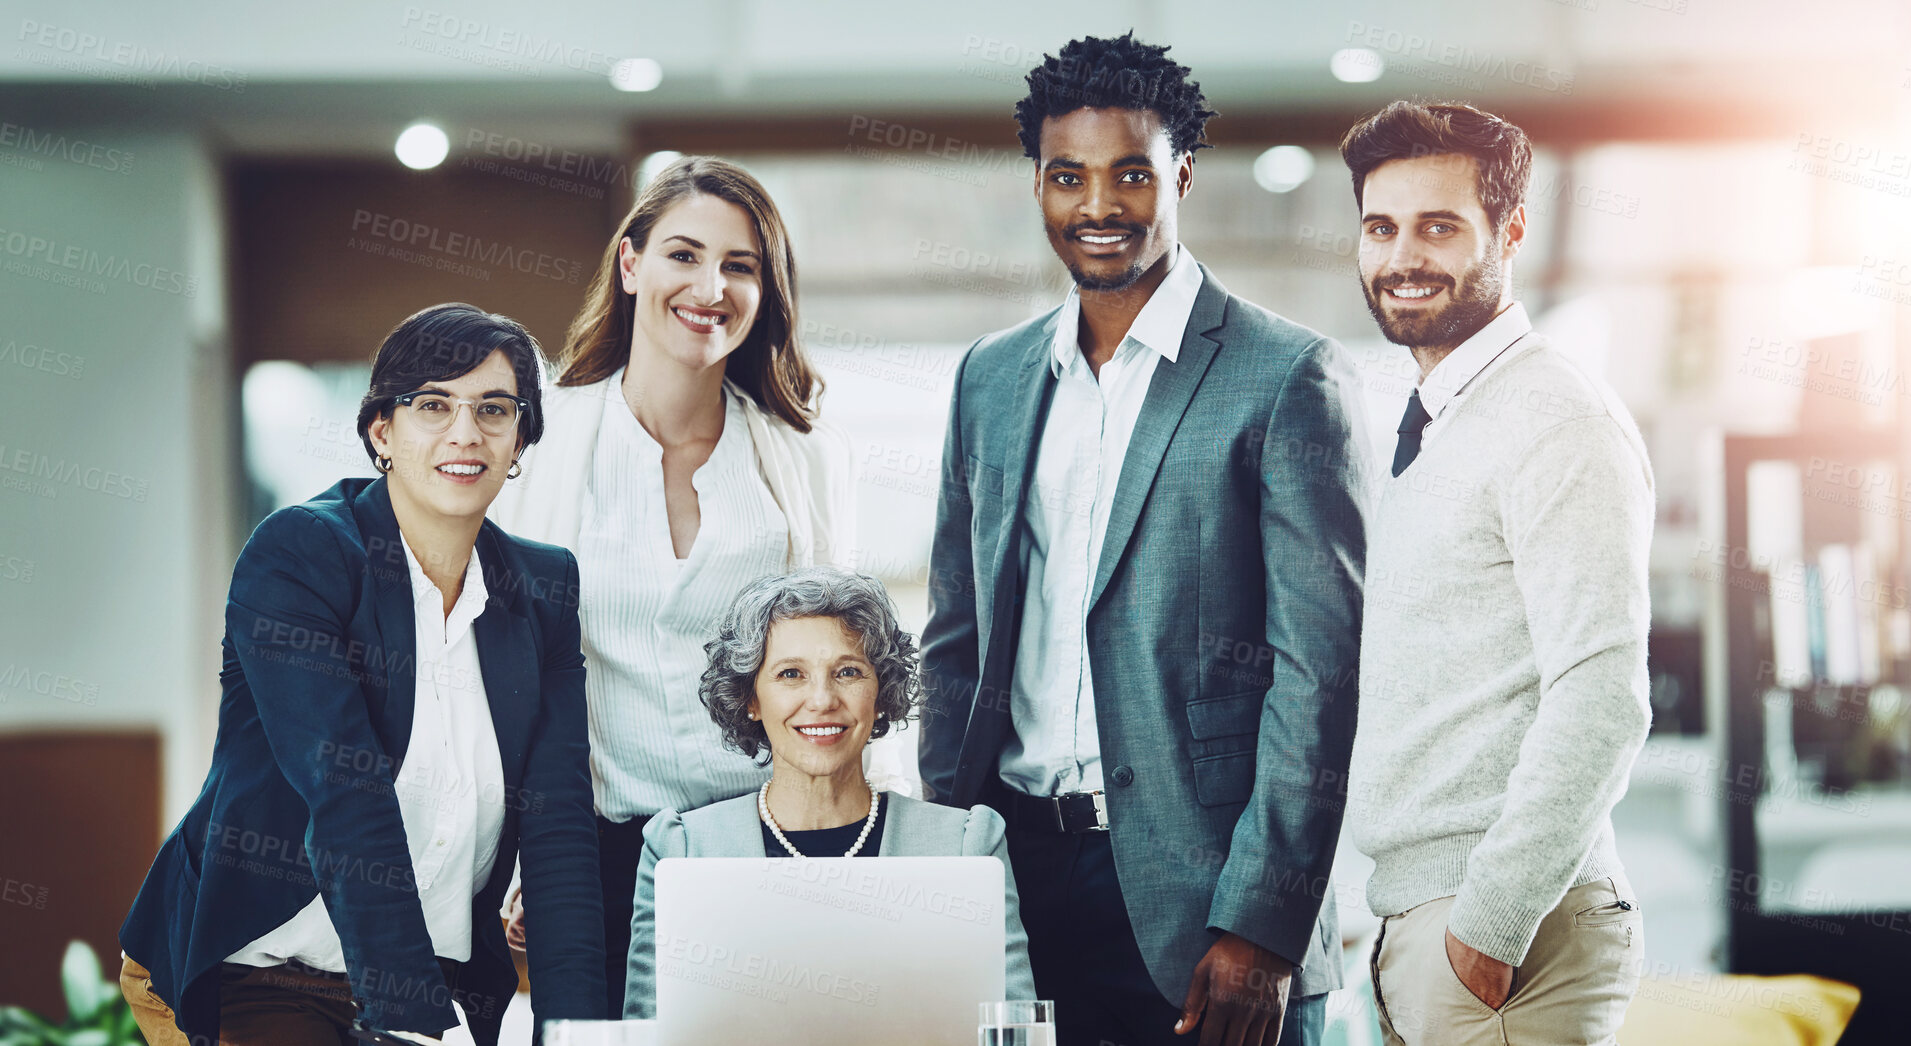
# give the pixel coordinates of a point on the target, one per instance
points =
(335, 75)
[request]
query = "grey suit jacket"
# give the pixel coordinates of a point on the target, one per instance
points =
(731, 829)
(1223, 624)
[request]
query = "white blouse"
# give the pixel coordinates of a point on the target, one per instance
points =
(646, 614)
(450, 786)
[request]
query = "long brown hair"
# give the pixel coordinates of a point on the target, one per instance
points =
(770, 365)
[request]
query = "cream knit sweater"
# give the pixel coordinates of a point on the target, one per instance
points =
(1503, 690)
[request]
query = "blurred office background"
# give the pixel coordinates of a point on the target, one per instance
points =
(210, 215)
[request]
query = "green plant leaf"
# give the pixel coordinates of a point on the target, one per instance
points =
(90, 1037)
(125, 1028)
(80, 977)
(15, 1018)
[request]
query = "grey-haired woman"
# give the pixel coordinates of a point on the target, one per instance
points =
(807, 668)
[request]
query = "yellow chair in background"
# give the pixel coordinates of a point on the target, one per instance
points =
(1704, 1009)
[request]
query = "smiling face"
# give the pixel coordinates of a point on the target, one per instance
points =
(697, 284)
(1433, 267)
(456, 473)
(816, 698)
(1109, 183)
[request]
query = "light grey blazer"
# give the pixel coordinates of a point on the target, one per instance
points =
(731, 829)
(1223, 624)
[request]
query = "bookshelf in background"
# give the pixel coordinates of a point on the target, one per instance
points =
(1817, 649)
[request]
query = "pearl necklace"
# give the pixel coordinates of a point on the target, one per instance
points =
(763, 810)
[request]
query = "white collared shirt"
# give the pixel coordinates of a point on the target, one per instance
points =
(1078, 464)
(450, 787)
(646, 614)
(1477, 355)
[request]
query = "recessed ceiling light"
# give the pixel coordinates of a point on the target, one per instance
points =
(1283, 168)
(653, 165)
(636, 74)
(1356, 65)
(422, 146)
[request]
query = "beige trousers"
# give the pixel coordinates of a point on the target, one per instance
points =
(1573, 987)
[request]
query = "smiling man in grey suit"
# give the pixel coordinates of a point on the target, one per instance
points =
(1145, 596)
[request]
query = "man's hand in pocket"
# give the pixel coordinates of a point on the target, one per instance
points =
(1489, 979)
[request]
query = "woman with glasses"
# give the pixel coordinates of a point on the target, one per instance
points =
(683, 459)
(402, 720)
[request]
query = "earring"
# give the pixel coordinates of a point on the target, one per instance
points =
(383, 463)
(516, 471)
(752, 715)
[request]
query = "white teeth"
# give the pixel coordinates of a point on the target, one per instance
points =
(820, 731)
(461, 470)
(1413, 292)
(701, 321)
(1102, 239)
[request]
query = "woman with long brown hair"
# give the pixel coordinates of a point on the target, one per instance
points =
(682, 458)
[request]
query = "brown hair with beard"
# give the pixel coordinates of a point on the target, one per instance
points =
(770, 364)
(1407, 130)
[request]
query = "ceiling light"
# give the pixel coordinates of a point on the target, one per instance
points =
(636, 74)
(422, 146)
(1283, 168)
(1356, 65)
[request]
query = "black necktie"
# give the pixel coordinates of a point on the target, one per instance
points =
(1411, 423)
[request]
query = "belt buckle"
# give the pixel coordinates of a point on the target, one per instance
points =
(1081, 803)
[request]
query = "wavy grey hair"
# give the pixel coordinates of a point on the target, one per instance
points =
(858, 601)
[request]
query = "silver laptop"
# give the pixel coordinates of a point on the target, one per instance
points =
(848, 951)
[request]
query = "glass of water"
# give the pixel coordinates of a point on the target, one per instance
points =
(600, 1033)
(1021, 1023)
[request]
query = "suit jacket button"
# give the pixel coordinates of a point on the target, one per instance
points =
(1124, 776)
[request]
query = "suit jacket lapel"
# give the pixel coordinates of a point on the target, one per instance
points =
(507, 657)
(1169, 393)
(1035, 390)
(392, 669)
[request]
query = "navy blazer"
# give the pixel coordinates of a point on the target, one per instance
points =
(1223, 624)
(316, 712)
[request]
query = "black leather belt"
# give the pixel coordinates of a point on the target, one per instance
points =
(1069, 813)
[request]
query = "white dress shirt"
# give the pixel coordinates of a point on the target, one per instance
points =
(1475, 356)
(1078, 464)
(646, 614)
(450, 786)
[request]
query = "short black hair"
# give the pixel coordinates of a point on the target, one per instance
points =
(445, 342)
(1406, 130)
(1122, 73)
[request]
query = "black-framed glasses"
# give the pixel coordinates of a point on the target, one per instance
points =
(496, 413)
